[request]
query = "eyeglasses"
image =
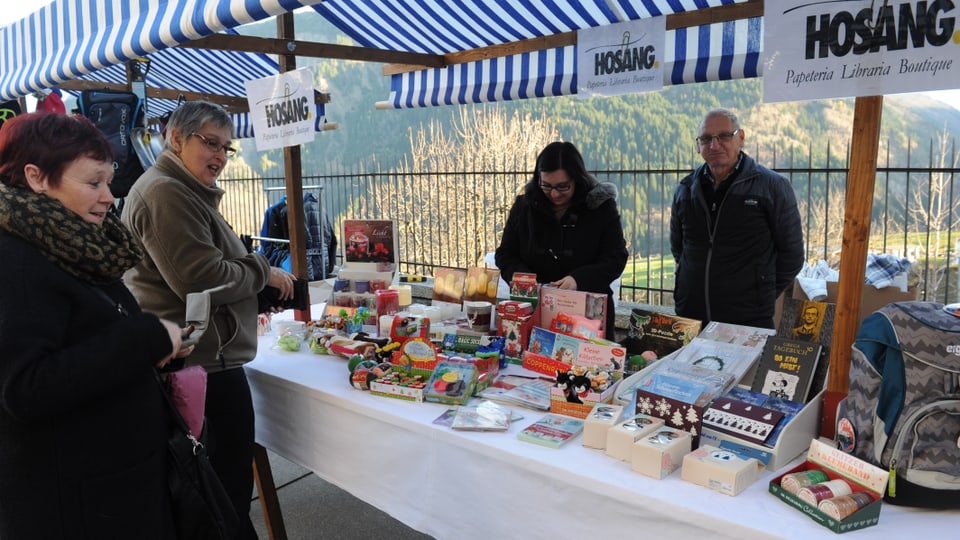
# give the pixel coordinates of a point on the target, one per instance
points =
(215, 146)
(560, 188)
(707, 140)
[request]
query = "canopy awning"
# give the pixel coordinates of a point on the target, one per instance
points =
(69, 39)
(715, 52)
(704, 52)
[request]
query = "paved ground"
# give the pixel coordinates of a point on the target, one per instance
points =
(314, 509)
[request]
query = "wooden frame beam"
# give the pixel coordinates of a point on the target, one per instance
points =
(234, 104)
(282, 47)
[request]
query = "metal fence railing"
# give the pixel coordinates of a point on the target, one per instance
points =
(454, 218)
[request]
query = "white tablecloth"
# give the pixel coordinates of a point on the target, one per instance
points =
(452, 484)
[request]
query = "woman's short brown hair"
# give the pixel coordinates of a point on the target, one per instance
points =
(51, 142)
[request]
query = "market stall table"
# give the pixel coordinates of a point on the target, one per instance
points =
(454, 484)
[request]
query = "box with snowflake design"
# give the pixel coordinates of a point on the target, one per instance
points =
(675, 413)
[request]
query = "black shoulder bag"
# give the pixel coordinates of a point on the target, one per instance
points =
(201, 507)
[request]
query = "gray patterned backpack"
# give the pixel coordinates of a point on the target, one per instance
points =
(902, 411)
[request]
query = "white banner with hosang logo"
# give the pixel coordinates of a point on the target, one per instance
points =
(816, 50)
(622, 58)
(282, 109)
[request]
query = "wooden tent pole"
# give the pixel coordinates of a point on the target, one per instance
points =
(853, 257)
(293, 173)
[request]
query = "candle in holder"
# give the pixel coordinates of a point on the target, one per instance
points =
(406, 294)
(388, 302)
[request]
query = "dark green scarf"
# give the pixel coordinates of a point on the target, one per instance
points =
(95, 254)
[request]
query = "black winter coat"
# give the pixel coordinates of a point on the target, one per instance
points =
(587, 243)
(83, 424)
(733, 270)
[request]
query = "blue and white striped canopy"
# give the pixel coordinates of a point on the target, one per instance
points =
(712, 52)
(68, 39)
(71, 39)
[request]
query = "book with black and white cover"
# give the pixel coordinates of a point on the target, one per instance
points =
(806, 320)
(786, 369)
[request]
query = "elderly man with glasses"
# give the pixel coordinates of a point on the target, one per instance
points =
(565, 228)
(734, 231)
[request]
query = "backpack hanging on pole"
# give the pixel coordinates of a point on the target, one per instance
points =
(116, 114)
(902, 410)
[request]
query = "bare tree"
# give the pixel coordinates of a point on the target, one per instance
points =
(933, 206)
(823, 224)
(453, 173)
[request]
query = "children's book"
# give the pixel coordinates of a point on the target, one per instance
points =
(484, 416)
(514, 390)
(806, 320)
(786, 369)
(552, 430)
(553, 300)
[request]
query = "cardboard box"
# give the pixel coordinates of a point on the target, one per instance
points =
(397, 385)
(793, 440)
(514, 323)
(860, 476)
(659, 453)
(620, 438)
(720, 470)
(871, 298)
(598, 422)
(559, 403)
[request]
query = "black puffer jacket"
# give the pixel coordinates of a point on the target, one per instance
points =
(733, 270)
(587, 243)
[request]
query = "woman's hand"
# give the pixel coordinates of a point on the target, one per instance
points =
(283, 280)
(176, 338)
(566, 282)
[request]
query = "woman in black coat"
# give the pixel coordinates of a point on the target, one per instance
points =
(83, 423)
(565, 228)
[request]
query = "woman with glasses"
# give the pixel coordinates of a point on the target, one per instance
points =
(565, 227)
(734, 231)
(172, 210)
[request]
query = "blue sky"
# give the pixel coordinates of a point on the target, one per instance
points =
(20, 8)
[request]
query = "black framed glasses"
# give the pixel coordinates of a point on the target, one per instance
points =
(707, 140)
(215, 146)
(560, 188)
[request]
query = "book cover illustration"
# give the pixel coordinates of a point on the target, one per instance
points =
(748, 336)
(786, 369)
(807, 320)
(552, 430)
(593, 306)
(727, 358)
(370, 242)
(484, 416)
(526, 392)
(560, 347)
(658, 332)
(744, 420)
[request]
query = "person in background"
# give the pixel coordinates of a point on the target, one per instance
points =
(565, 227)
(83, 421)
(734, 231)
(172, 210)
